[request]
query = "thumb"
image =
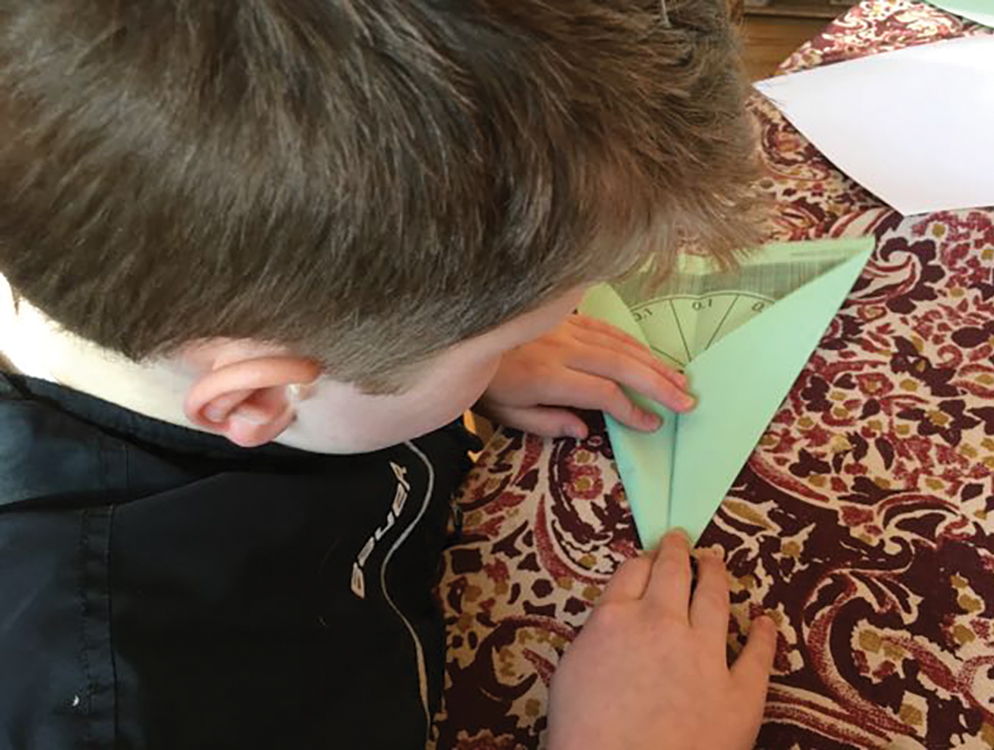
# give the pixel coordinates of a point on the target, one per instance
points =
(752, 669)
(545, 421)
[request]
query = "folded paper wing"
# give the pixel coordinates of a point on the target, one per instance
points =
(981, 11)
(743, 338)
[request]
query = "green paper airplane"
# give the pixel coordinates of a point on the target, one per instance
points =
(981, 11)
(742, 337)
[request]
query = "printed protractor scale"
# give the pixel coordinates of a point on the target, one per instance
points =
(680, 327)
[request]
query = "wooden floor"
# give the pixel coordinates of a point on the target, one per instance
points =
(768, 41)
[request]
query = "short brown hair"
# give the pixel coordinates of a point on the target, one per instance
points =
(367, 181)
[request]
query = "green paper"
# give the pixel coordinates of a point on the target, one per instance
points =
(743, 338)
(645, 461)
(981, 11)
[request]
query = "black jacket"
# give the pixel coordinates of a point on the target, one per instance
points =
(161, 588)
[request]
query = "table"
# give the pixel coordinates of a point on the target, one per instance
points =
(863, 523)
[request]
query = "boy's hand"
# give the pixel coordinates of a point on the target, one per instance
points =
(582, 363)
(649, 671)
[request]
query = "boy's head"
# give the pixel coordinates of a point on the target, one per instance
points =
(361, 184)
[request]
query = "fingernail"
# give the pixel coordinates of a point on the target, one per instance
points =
(679, 531)
(652, 421)
(214, 414)
(686, 401)
(577, 432)
(765, 621)
(711, 553)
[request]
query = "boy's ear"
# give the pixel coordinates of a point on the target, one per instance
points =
(247, 401)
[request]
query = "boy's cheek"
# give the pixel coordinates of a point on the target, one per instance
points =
(364, 423)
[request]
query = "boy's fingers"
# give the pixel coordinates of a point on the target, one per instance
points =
(669, 584)
(599, 326)
(544, 421)
(613, 337)
(630, 348)
(629, 582)
(632, 373)
(709, 608)
(752, 669)
(583, 391)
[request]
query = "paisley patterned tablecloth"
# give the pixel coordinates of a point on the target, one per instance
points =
(864, 521)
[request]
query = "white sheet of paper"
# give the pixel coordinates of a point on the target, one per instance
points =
(915, 127)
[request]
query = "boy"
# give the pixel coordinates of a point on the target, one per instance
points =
(256, 256)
